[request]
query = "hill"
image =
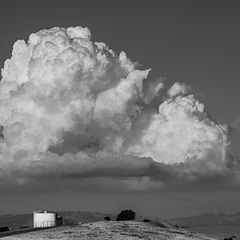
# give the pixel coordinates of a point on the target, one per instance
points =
(69, 217)
(220, 225)
(208, 219)
(111, 230)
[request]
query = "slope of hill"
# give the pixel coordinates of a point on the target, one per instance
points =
(69, 217)
(111, 230)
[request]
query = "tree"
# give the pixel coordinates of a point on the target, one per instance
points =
(107, 218)
(126, 215)
(146, 220)
(4, 229)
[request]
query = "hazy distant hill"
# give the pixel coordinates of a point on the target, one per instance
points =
(15, 221)
(85, 217)
(208, 219)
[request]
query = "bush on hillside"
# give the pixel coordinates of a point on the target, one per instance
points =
(230, 238)
(126, 215)
(4, 229)
(146, 220)
(107, 218)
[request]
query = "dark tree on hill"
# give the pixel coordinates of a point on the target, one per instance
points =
(4, 229)
(126, 215)
(146, 220)
(107, 218)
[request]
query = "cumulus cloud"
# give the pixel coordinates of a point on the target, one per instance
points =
(182, 132)
(177, 89)
(73, 109)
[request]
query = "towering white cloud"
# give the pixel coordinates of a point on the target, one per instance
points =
(62, 82)
(72, 107)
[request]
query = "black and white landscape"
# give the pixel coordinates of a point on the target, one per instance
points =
(121, 105)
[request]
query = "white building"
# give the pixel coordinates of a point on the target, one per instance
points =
(43, 219)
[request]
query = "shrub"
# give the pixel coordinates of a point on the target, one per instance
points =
(230, 238)
(126, 215)
(146, 220)
(107, 218)
(4, 229)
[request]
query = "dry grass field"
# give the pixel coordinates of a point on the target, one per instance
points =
(129, 230)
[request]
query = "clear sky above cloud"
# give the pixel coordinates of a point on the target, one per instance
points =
(80, 116)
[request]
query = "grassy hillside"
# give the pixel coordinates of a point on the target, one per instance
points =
(111, 230)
